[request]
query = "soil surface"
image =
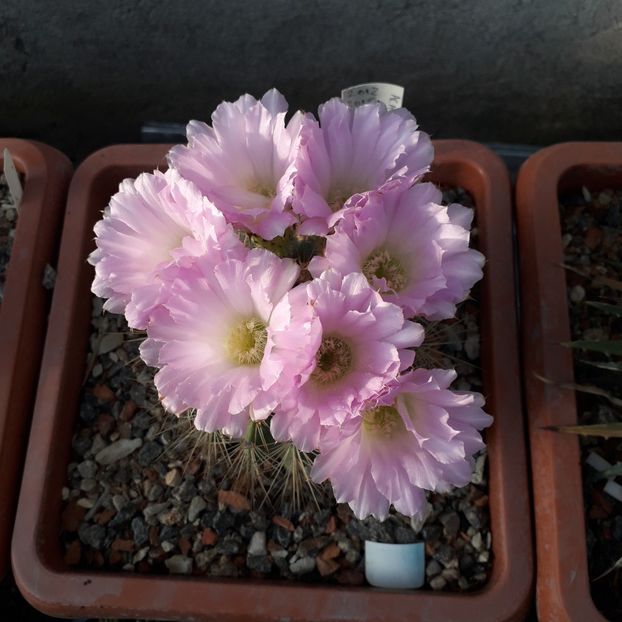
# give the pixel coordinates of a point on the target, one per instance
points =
(141, 496)
(592, 238)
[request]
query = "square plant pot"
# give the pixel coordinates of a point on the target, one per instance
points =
(55, 588)
(562, 591)
(24, 309)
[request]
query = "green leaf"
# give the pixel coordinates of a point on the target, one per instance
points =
(606, 347)
(606, 430)
(607, 308)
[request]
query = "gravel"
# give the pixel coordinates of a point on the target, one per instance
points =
(8, 220)
(592, 237)
(145, 486)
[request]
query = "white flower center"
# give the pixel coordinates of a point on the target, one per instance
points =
(246, 342)
(333, 361)
(382, 265)
(383, 422)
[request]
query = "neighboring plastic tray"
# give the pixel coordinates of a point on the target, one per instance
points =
(24, 309)
(563, 591)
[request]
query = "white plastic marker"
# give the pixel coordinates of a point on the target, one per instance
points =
(612, 487)
(391, 95)
(12, 178)
(396, 566)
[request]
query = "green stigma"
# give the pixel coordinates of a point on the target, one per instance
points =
(383, 422)
(246, 342)
(382, 265)
(265, 190)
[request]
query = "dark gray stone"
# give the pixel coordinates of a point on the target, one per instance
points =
(148, 453)
(139, 531)
(259, 563)
(93, 535)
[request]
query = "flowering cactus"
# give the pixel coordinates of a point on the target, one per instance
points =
(279, 271)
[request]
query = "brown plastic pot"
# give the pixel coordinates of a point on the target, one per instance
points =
(24, 309)
(563, 591)
(59, 590)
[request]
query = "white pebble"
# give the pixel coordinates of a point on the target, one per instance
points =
(257, 545)
(577, 293)
(118, 450)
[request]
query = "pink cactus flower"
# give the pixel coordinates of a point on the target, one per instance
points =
(151, 226)
(355, 343)
(244, 163)
(353, 151)
(413, 251)
(209, 338)
(418, 436)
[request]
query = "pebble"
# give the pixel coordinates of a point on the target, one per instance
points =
(148, 453)
(155, 492)
(92, 535)
(222, 522)
(88, 469)
(153, 510)
(433, 568)
(259, 563)
(438, 583)
(234, 500)
(577, 293)
(110, 342)
(326, 567)
(197, 505)
(170, 517)
(257, 545)
(179, 564)
(209, 537)
(88, 485)
(302, 566)
(119, 501)
(476, 541)
(451, 524)
(118, 450)
(405, 535)
(139, 531)
(173, 477)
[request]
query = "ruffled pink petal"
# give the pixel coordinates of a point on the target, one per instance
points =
(244, 163)
(352, 151)
(347, 309)
(152, 226)
(187, 336)
(425, 246)
(377, 462)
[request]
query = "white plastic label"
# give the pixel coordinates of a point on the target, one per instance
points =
(12, 178)
(391, 95)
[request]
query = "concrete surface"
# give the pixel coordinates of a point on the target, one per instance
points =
(83, 74)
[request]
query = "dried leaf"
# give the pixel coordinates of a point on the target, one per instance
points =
(583, 388)
(618, 564)
(606, 430)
